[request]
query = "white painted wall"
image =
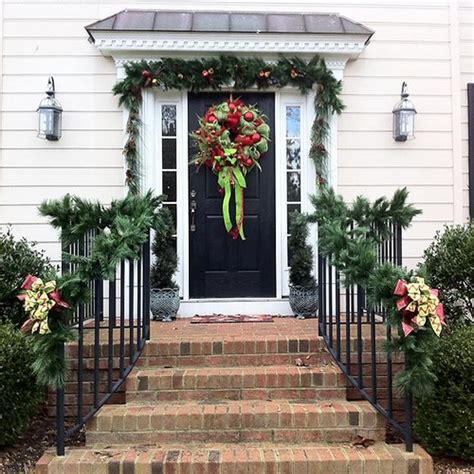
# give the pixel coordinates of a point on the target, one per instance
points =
(466, 73)
(428, 43)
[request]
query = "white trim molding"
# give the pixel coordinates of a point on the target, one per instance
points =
(117, 43)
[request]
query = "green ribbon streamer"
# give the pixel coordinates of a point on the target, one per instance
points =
(239, 191)
(240, 185)
(224, 181)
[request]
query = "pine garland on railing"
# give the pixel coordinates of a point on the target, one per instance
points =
(238, 74)
(349, 236)
(119, 229)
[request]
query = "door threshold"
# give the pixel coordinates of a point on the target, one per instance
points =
(229, 306)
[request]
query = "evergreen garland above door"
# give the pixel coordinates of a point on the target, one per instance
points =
(238, 74)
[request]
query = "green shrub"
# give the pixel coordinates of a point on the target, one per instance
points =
(166, 260)
(18, 258)
(301, 253)
(19, 394)
(444, 422)
(449, 262)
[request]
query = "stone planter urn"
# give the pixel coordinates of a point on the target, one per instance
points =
(304, 301)
(164, 303)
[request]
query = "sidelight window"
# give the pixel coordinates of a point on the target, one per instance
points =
(293, 161)
(169, 172)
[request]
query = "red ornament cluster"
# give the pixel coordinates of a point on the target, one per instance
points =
(230, 134)
(231, 138)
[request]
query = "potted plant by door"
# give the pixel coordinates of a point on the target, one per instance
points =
(164, 297)
(303, 286)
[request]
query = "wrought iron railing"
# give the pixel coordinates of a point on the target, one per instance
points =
(111, 332)
(355, 333)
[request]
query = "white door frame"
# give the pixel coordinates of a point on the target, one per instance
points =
(151, 173)
(151, 170)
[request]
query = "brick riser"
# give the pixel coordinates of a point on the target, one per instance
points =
(247, 383)
(233, 422)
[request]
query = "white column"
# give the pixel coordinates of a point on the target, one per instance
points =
(337, 68)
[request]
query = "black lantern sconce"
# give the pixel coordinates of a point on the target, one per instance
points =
(49, 114)
(404, 117)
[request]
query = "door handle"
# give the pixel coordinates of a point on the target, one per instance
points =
(193, 208)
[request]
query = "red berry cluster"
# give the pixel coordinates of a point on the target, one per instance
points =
(231, 134)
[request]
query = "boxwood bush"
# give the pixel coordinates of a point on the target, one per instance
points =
(19, 394)
(18, 258)
(449, 262)
(445, 422)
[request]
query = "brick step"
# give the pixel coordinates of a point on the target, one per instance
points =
(234, 421)
(245, 344)
(236, 383)
(232, 360)
(241, 459)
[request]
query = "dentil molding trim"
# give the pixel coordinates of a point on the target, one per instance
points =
(119, 43)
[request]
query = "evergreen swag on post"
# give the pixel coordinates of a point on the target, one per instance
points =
(348, 236)
(238, 74)
(118, 231)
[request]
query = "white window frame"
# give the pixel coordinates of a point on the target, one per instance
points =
(308, 175)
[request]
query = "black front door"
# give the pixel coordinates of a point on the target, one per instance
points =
(219, 266)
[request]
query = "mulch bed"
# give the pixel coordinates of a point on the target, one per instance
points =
(40, 435)
(452, 466)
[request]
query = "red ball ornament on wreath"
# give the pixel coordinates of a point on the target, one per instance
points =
(248, 116)
(231, 139)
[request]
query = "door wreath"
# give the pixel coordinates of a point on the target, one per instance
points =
(231, 138)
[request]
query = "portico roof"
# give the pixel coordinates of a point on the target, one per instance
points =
(232, 22)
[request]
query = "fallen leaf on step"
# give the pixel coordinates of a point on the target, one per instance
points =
(300, 363)
(361, 442)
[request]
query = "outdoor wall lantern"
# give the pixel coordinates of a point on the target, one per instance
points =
(49, 114)
(404, 117)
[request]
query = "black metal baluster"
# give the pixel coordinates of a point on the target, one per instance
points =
(398, 232)
(359, 335)
(80, 350)
(139, 302)
(146, 288)
(373, 355)
(122, 318)
(338, 316)
(97, 319)
(330, 298)
(391, 241)
(322, 304)
(130, 307)
(320, 292)
(389, 376)
(408, 423)
(348, 330)
(80, 365)
(110, 352)
(60, 434)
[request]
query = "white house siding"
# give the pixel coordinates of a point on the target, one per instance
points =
(466, 70)
(413, 42)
